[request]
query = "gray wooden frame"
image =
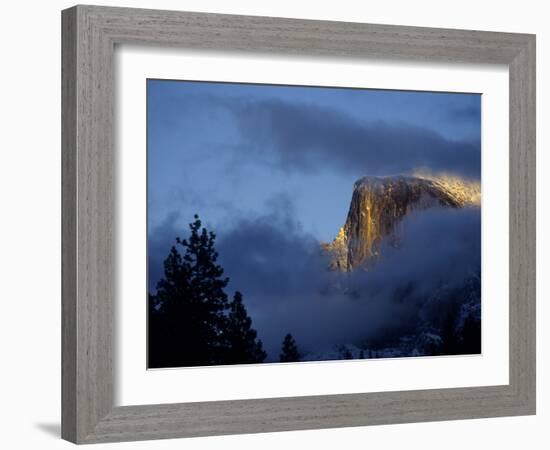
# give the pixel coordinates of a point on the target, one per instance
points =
(89, 36)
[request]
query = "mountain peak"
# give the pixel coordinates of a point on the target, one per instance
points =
(378, 206)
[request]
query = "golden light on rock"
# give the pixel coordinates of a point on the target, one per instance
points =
(377, 209)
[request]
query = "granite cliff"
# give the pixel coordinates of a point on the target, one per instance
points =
(378, 206)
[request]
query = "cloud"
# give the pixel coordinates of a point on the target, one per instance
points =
(308, 137)
(438, 245)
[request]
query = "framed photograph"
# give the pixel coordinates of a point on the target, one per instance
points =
(279, 224)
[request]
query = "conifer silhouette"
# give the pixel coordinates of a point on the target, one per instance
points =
(187, 314)
(289, 352)
(191, 321)
(241, 339)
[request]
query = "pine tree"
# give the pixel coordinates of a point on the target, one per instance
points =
(240, 338)
(289, 352)
(187, 312)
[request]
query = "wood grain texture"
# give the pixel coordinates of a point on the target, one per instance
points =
(89, 36)
(68, 226)
(523, 224)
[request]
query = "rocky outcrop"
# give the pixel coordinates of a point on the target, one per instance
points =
(378, 206)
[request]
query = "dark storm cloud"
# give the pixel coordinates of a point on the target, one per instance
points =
(270, 254)
(307, 137)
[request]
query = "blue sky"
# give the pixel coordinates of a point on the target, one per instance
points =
(271, 170)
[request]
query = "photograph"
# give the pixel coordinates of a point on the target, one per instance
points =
(290, 224)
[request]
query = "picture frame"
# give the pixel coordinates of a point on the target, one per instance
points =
(89, 37)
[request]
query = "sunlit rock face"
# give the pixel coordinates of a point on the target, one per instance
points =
(378, 206)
